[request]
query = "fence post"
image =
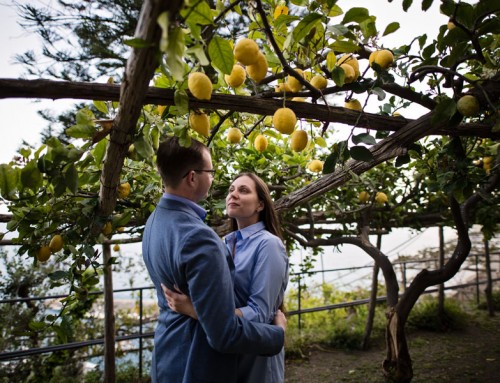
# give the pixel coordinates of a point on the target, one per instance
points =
(489, 283)
(140, 333)
(109, 317)
(299, 305)
(441, 285)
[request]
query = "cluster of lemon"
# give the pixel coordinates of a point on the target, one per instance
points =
(251, 62)
(56, 244)
(380, 197)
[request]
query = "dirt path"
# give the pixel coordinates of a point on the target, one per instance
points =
(468, 356)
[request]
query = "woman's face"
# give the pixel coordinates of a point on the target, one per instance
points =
(242, 202)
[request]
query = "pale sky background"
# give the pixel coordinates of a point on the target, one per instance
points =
(20, 121)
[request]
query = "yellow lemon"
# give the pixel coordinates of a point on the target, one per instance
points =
(299, 140)
(116, 247)
(353, 104)
(200, 85)
(161, 109)
(319, 82)
(107, 229)
(450, 25)
(43, 254)
(258, 71)
(260, 143)
(237, 76)
(352, 61)
(56, 243)
(284, 120)
(123, 190)
(383, 58)
(200, 123)
(364, 196)
(283, 87)
(381, 197)
(468, 106)
(315, 166)
(246, 51)
(280, 10)
(487, 160)
(234, 135)
(350, 76)
(293, 83)
(299, 99)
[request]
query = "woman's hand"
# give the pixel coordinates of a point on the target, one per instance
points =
(179, 302)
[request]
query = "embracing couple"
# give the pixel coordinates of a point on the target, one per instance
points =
(220, 317)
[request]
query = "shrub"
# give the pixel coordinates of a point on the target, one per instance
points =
(425, 316)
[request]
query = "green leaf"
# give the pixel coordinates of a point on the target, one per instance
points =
(221, 54)
(426, 4)
(199, 52)
(71, 178)
(31, 177)
(357, 15)
(391, 28)
(368, 27)
(144, 148)
(201, 14)
(379, 92)
(331, 59)
(344, 47)
(305, 25)
(338, 29)
(81, 131)
(8, 181)
(85, 117)
(364, 138)
(163, 22)
(101, 106)
(444, 111)
(181, 100)
(99, 151)
(407, 4)
(338, 76)
(401, 160)
(138, 43)
(360, 153)
(320, 141)
(330, 163)
(36, 326)
(57, 275)
(175, 53)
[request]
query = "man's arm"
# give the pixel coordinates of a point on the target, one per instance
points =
(210, 288)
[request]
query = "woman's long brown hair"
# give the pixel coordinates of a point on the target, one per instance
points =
(268, 215)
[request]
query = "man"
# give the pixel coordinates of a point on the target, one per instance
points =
(183, 253)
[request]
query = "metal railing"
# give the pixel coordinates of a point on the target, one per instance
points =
(141, 335)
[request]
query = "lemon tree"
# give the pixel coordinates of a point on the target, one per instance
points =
(439, 161)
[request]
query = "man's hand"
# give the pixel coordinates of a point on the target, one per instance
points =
(280, 320)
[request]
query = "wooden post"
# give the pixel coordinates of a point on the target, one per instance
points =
(489, 282)
(373, 299)
(441, 286)
(109, 318)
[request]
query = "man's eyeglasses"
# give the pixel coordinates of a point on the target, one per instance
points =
(211, 171)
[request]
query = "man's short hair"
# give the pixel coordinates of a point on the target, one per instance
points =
(174, 160)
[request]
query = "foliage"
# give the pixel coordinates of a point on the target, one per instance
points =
(20, 281)
(426, 316)
(495, 295)
(56, 188)
(341, 327)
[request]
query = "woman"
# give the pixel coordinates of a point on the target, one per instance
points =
(261, 269)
